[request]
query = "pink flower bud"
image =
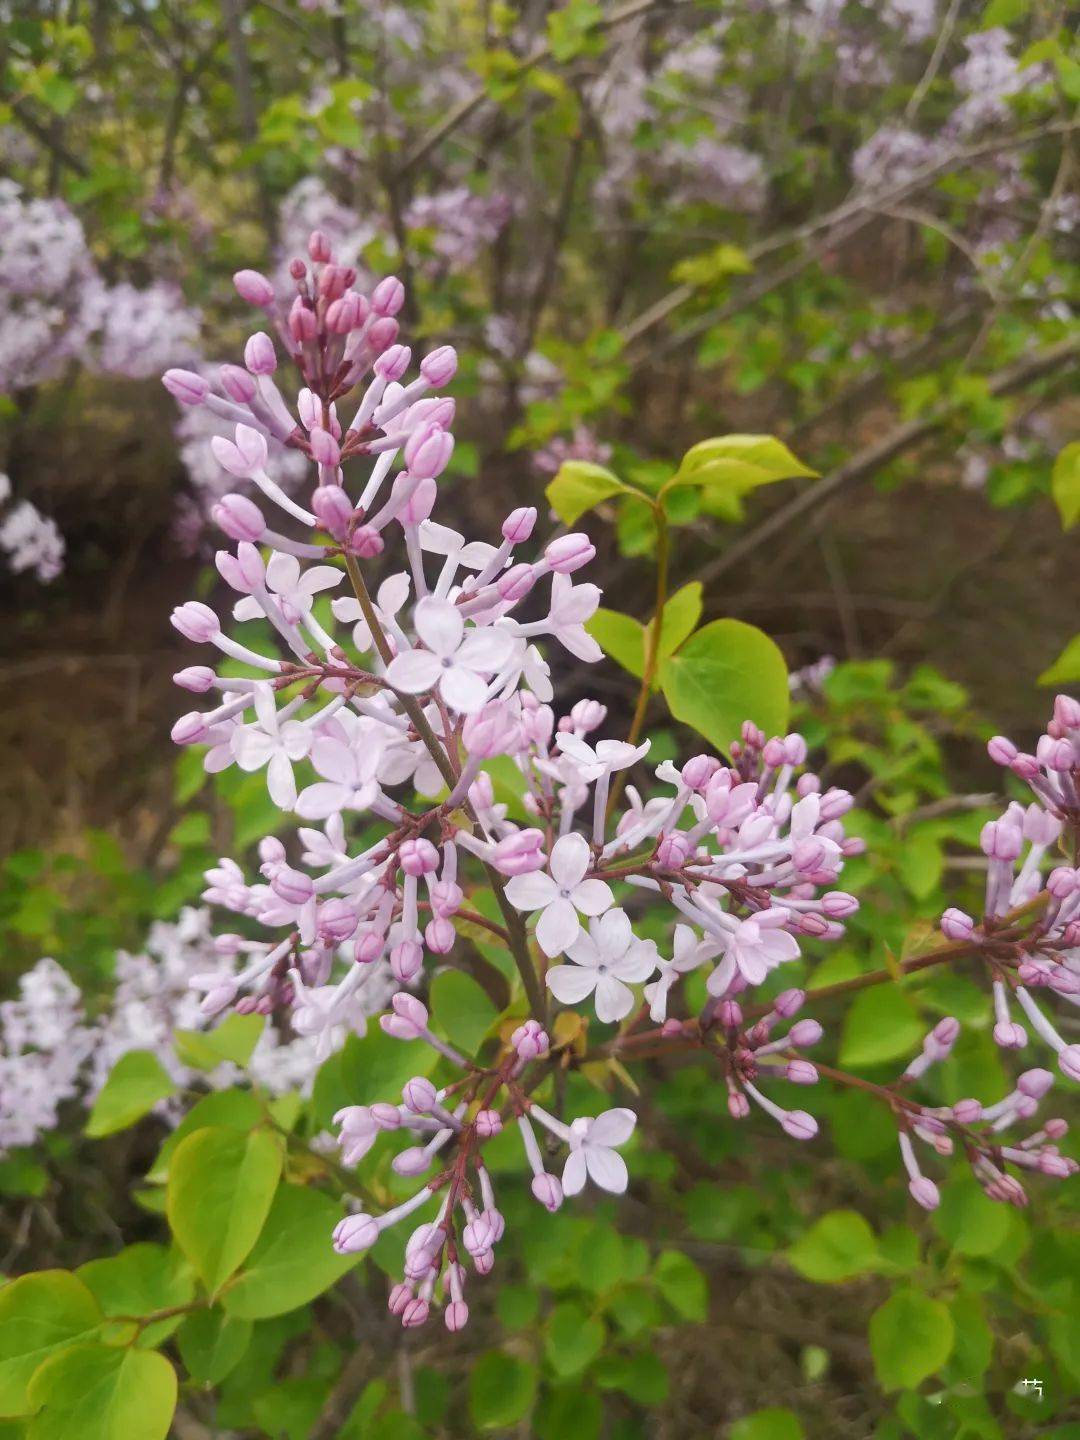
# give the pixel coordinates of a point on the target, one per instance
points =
(366, 542)
(799, 1125)
(789, 1003)
(548, 1191)
(924, 1192)
(955, 925)
(439, 936)
(1026, 767)
(805, 1032)
(493, 730)
(190, 729)
(730, 1015)
(530, 1041)
(388, 296)
(406, 960)
(1009, 1035)
(518, 525)
(418, 1095)
(427, 451)
(381, 334)
(419, 504)
(801, 1072)
(738, 1105)
(520, 853)
(237, 384)
(319, 248)
(699, 770)
(1067, 712)
(324, 448)
(967, 1112)
(588, 715)
(418, 857)
(333, 508)
(245, 457)
(1069, 1061)
(198, 679)
(393, 362)
(569, 553)
(186, 386)
(456, 1315)
(196, 621)
(400, 1296)
(1063, 882)
(254, 287)
(514, 584)
(488, 1123)
(239, 518)
(673, 850)
(838, 904)
(446, 898)
(303, 326)
(355, 1233)
(440, 367)
(415, 1314)
(345, 314)
(260, 357)
(368, 946)
(292, 886)
(1000, 840)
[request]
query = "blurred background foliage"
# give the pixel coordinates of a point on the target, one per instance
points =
(851, 226)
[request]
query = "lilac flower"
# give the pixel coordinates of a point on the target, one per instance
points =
(272, 744)
(608, 959)
(593, 1153)
(560, 895)
(454, 661)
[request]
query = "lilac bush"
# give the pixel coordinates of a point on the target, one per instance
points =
(432, 682)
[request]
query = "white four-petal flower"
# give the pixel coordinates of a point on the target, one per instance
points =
(758, 948)
(689, 954)
(273, 744)
(454, 662)
(560, 895)
(293, 588)
(607, 960)
(592, 1152)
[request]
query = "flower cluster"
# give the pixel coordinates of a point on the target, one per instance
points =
(53, 1051)
(411, 731)
(30, 540)
(1044, 953)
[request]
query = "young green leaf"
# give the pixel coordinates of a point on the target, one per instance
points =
(837, 1247)
(39, 1314)
(682, 1284)
(461, 1011)
(501, 1390)
(882, 1025)
(1065, 484)
(102, 1392)
(293, 1260)
(221, 1186)
(579, 486)
(212, 1344)
(135, 1085)
(233, 1040)
(727, 467)
(911, 1336)
(1066, 668)
(141, 1279)
(727, 672)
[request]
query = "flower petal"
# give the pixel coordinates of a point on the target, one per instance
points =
(570, 858)
(570, 984)
(463, 690)
(613, 999)
(531, 892)
(319, 577)
(280, 781)
(557, 928)
(439, 625)
(592, 897)
(487, 649)
(282, 572)
(334, 761)
(252, 747)
(607, 1169)
(573, 1175)
(321, 800)
(414, 671)
(613, 1127)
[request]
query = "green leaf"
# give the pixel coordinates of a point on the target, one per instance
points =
(682, 1284)
(968, 1220)
(141, 1279)
(100, 1392)
(233, 1040)
(620, 636)
(461, 1010)
(221, 1186)
(569, 1411)
(920, 864)
(727, 467)
(135, 1085)
(293, 1260)
(1065, 484)
(882, 1025)
(39, 1313)
(501, 1390)
(212, 1344)
(837, 1247)
(579, 486)
(772, 1424)
(911, 1336)
(368, 1068)
(727, 672)
(236, 1109)
(642, 1376)
(713, 266)
(682, 611)
(974, 1346)
(1066, 668)
(574, 1339)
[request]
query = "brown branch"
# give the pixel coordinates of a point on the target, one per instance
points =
(873, 457)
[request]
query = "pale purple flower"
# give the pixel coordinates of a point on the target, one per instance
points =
(560, 893)
(593, 1153)
(607, 960)
(455, 661)
(274, 744)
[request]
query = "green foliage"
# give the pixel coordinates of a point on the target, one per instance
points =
(292, 1261)
(103, 1393)
(1065, 484)
(502, 1389)
(40, 1314)
(726, 673)
(220, 1190)
(911, 1337)
(136, 1084)
(839, 1246)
